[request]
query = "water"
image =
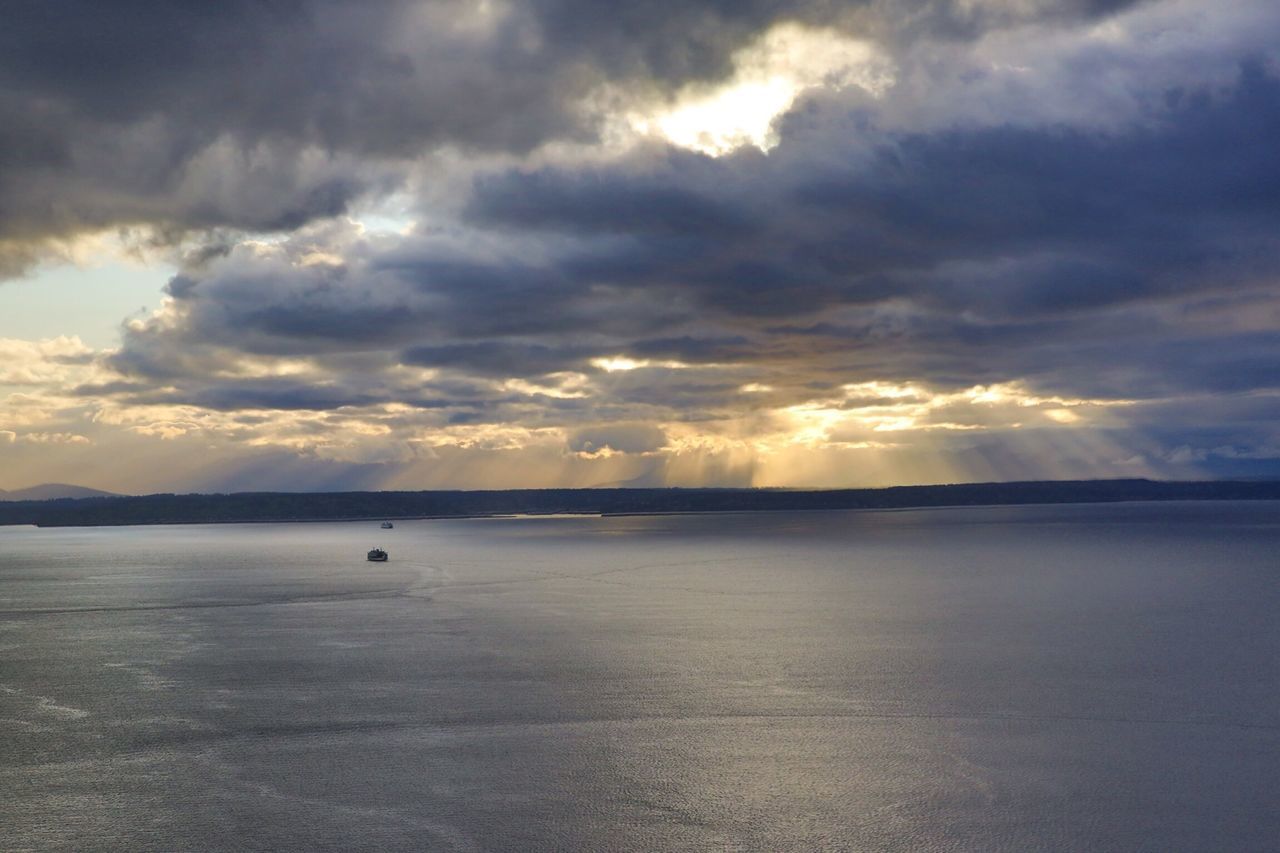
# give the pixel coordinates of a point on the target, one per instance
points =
(1038, 678)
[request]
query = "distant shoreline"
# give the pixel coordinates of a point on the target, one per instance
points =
(319, 507)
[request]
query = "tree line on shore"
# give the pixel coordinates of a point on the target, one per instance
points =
(335, 506)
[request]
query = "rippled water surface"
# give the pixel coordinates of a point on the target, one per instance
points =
(1039, 678)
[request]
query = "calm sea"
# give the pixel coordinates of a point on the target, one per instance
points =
(1089, 678)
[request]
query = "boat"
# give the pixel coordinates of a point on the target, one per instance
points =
(377, 555)
(386, 525)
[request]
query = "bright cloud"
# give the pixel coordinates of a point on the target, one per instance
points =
(769, 75)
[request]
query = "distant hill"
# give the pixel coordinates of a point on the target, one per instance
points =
(53, 491)
(333, 506)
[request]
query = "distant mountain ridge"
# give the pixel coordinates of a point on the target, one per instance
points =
(53, 491)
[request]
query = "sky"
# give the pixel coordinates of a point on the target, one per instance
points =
(414, 244)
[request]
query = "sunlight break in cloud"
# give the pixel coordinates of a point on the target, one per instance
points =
(618, 363)
(868, 408)
(769, 75)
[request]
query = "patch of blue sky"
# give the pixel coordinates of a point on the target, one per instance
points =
(90, 301)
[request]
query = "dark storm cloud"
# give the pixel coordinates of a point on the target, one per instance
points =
(384, 76)
(266, 394)
(250, 115)
(1047, 219)
(1087, 263)
(265, 116)
(687, 348)
(998, 240)
(232, 394)
(676, 41)
(643, 204)
(1158, 197)
(459, 313)
(498, 358)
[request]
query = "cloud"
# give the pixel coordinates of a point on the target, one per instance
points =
(177, 117)
(1038, 229)
(1110, 265)
(25, 362)
(53, 438)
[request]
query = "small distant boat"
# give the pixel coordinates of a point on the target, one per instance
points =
(377, 555)
(386, 525)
